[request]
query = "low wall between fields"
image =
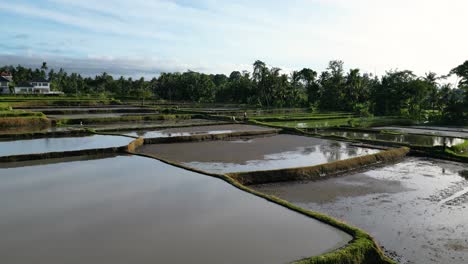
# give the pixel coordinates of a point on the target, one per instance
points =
(74, 153)
(321, 171)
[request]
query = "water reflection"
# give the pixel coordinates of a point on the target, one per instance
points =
(44, 145)
(300, 157)
(101, 211)
(400, 138)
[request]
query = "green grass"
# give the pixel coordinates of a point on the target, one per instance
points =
(33, 100)
(20, 113)
(99, 120)
(460, 149)
(21, 118)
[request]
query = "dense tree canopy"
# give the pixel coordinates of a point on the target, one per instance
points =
(395, 93)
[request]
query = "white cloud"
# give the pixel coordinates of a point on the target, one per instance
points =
(220, 36)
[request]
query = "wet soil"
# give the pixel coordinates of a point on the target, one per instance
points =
(256, 153)
(101, 211)
(417, 209)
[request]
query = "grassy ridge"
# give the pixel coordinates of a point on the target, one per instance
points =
(20, 113)
(11, 122)
(98, 120)
(320, 171)
(460, 149)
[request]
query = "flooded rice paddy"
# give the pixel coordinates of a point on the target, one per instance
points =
(438, 131)
(150, 124)
(101, 211)
(417, 209)
(420, 140)
(256, 153)
(196, 130)
(44, 145)
(102, 115)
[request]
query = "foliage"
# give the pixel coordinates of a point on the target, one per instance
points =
(398, 92)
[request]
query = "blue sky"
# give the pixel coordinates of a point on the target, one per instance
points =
(146, 37)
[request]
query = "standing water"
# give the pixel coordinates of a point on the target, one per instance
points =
(131, 209)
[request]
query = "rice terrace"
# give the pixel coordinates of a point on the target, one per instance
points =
(111, 159)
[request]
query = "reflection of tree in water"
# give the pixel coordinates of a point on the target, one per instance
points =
(141, 133)
(308, 150)
(331, 151)
(423, 140)
(351, 151)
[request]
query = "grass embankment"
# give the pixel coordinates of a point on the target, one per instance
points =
(321, 171)
(19, 118)
(62, 154)
(53, 111)
(130, 118)
(75, 153)
(361, 250)
(460, 149)
(41, 101)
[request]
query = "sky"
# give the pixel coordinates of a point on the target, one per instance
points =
(146, 37)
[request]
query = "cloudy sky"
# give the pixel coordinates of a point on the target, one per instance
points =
(146, 37)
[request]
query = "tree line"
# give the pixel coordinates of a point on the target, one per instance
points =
(397, 92)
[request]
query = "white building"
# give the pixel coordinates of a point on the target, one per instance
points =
(37, 86)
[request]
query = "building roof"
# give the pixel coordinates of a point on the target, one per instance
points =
(5, 74)
(39, 80)
(3, 79)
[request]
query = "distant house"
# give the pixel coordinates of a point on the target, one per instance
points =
(37, 86)
(7, 75)
(4, 85)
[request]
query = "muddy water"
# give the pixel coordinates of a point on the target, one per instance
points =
(43, 145)
(256, 153)
(188, 131)
(101, 211)
(417, 209)
(150, 124)
(438, 131)
(406, 138)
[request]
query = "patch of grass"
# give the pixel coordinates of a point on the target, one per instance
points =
(98, 120)
(391, 132)
(461, 149)
(20, 113)
(9, 122)
(20, 118)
